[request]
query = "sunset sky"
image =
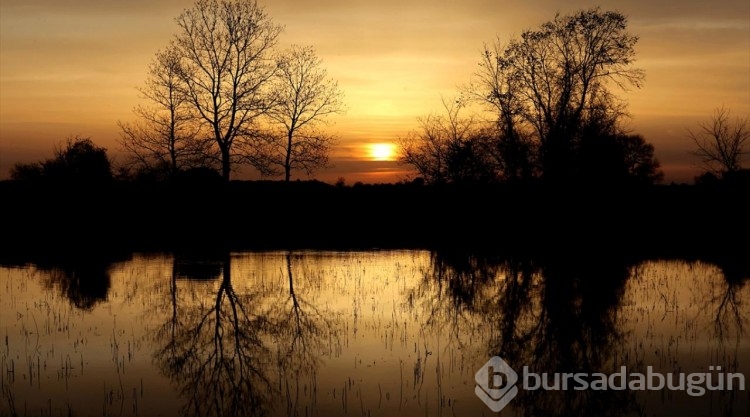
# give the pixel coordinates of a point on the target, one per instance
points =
(72, 67)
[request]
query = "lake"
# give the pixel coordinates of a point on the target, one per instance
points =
(366, 333)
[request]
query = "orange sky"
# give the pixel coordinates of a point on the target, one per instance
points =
(71, 67)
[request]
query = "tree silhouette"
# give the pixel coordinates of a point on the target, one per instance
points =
(31, 171)
(638, 159)
(507, 142)
(79, 161)
(305, 97)
(550, 94)
(618, 159)
(165, 138)
(720, 143)
(437, 143)
(225, 69)
(550, 81)
(468, 162)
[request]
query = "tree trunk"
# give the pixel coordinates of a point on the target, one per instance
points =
(288, 161)
(225, 164)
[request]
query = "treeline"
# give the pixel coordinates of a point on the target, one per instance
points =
(74, 202)
(207, 215)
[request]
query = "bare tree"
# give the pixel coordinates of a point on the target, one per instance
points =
(165, 137)
(305, 97)
(430, 148)
(493, 86)
(426, 149)
(721, 144)
(551, 78)
(225, 68)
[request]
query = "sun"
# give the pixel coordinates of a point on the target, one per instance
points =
(382, 151)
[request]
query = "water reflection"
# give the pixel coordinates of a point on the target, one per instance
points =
(215, 351)
(576, 330)
(233, 349)
(83, 278)
(559, 315)
(304, 330)
(84, 284)
(730, 320)
(361, 333)
(198, 266)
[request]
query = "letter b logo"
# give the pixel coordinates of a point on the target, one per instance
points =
(496, 383)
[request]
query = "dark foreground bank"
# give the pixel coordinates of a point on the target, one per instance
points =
(653, 221)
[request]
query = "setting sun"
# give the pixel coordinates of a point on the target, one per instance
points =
(382, 152)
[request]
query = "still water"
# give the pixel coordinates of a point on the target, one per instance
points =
(376, 333)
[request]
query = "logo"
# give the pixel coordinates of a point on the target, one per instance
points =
(496, 383)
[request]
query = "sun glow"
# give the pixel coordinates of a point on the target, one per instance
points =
(382, 152)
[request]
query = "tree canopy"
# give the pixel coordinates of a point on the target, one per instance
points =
(78, 160)
(551, 94)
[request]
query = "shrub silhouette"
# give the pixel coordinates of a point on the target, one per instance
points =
(80, 160)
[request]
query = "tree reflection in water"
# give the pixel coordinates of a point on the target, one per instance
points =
(729, 319)
(81, 277)
(303, 334)
(216, 352)
(248, 334)
(553, 315)
(241, 349)
(85, 284)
